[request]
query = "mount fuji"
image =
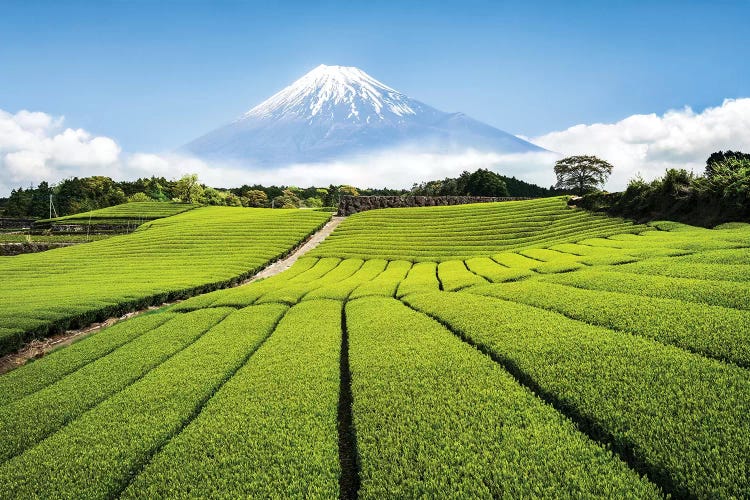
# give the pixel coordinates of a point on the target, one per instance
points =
(335, 112)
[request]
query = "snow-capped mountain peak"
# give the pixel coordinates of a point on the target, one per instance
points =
(335, 92)
(339, 111)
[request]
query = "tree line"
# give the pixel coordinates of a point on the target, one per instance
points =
(76, 195)
(720, 194)
(483, 182)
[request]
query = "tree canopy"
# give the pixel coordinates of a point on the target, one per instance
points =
(486, 183)
(722, 194)
(582, 173)
(76, 195)
(724, 158)
(188, 189)
(481, 182)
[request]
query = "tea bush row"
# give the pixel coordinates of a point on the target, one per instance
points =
(680, 417)
(167, 259)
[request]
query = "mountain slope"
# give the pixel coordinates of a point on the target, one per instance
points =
(337, 111)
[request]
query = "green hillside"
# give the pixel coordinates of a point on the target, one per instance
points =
(137, 211)
(464, 231)
(517, 350)
(169, 258)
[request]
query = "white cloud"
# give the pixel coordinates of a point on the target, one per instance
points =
(172, 165)
(35, 146)
(391, 168)
(648, 144)
(402, 168)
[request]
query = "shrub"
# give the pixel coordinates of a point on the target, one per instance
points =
(139, 197)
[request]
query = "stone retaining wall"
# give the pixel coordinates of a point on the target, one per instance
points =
(15, 223)
(33, 247)
(349, 205)
(93, 228)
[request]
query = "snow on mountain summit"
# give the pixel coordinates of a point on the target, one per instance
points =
(334, 112)
(328, 91)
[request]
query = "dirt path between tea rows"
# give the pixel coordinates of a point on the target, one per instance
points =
(284, 264)
(39, 347)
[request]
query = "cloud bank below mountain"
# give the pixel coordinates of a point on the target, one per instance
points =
(649, 144)
(36, 146)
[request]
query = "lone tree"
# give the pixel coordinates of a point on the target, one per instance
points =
(581, 173)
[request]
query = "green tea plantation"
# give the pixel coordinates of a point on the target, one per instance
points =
(165, 259)
(503, 350)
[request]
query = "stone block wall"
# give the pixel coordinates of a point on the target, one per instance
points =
(349, 205)
(15, 223)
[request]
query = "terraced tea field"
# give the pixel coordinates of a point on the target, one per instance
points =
(49, 238)
(166, 259)
(85, 227)
(135, 212)
(434, 234)
(532, 351)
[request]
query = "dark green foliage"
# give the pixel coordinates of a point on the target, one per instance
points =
(482, 182)
(519, 188)
(288, 199)
(721, 157)
(486, 183)
(729, 183)
(290, 195)
(581, 173)
(28, 202)
(89, 193)
(188, 189)
(722, 195)
(156, 188)
(77, 195)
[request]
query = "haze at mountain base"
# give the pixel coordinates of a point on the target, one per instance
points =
(337, 112)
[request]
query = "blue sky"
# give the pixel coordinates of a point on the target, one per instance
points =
(154, 75)
(645, 85)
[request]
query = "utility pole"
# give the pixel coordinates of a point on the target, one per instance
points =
(51, 207)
